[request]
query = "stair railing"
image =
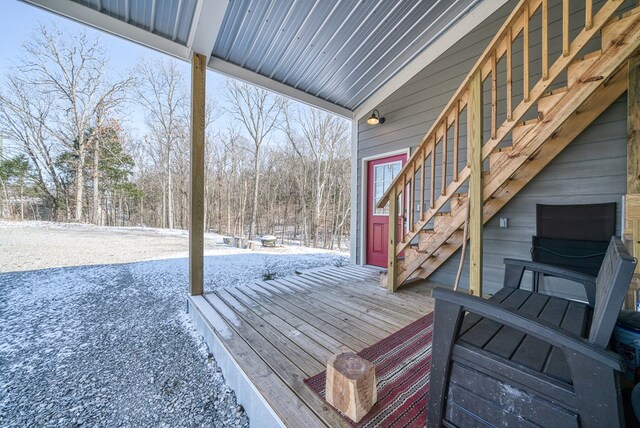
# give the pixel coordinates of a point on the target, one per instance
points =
(401, 194)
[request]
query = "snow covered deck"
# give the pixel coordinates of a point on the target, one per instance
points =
(269, 336)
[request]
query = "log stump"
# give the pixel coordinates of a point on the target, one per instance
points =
(351, 385)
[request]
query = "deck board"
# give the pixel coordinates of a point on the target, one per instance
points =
(376, 310)
(379, 295)
(292, 325)
(351, 339)
(332, 314)
(361, 311)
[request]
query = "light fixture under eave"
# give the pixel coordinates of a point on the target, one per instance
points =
(375, 118)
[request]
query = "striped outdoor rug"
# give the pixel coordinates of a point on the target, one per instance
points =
(403, 362)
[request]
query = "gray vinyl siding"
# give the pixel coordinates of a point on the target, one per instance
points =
(591, 169)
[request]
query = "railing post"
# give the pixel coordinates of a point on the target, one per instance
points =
(474, 136)
(392, 271)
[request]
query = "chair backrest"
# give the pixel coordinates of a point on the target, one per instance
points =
(611, 287)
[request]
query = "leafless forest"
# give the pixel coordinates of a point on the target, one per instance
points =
(69, 151)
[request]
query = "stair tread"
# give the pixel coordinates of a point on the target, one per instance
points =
(593, 54)
(555, 92)
(527, 122)
(502, 149)
(631, 12)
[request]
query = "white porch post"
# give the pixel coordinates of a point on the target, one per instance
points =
(196, 229)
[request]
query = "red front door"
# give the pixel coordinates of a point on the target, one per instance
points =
(380, 174)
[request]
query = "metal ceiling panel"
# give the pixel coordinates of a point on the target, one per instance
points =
(364, 46)
(140, 13)
(361, 12)
(257, 16)
(297, 16)
(236, 11)
(343, 12)
(341, 51)
(171, 19)
(185, 20)
(271, 27)
(312, 24)
(165, 17)
(424, 35)
(336, 53)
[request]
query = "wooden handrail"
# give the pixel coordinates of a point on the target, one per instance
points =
(435, 141)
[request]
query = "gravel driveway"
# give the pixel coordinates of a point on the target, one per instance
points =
(106, 346)
(111, 345)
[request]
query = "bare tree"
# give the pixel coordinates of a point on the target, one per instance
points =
(258, 111)
(164, 98)
(24, 110)
(72, 70)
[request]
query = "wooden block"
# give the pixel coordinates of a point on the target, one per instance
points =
(351, 385)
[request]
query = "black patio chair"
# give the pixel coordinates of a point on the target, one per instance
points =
(527, 359)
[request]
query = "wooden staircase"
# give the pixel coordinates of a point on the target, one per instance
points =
(434, 213)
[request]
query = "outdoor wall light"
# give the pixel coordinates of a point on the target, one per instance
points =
(375, 118)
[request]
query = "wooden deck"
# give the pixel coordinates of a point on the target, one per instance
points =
(277, 333)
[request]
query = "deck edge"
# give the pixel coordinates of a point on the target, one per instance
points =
(247, 395)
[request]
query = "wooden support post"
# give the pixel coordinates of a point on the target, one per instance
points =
(631, 228)
(633, 171)
(635, 230)
(392, 271)
(474, 135)
(196, 228)
(633, 127)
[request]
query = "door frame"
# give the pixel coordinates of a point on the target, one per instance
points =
(364, 176)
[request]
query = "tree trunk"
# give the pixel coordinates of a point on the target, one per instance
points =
(96, 183)
(80, 181)
(163, 222)
(7, 200)
(229, 211)
(254, 204)
(21, 200)
(169, 189)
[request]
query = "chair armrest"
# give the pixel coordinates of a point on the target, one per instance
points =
(514, 268)
(534, 327)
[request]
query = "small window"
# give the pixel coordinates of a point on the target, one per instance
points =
(383, 176)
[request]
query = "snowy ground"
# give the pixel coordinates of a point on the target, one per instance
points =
(110, 344)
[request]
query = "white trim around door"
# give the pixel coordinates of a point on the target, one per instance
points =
(363, 195)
